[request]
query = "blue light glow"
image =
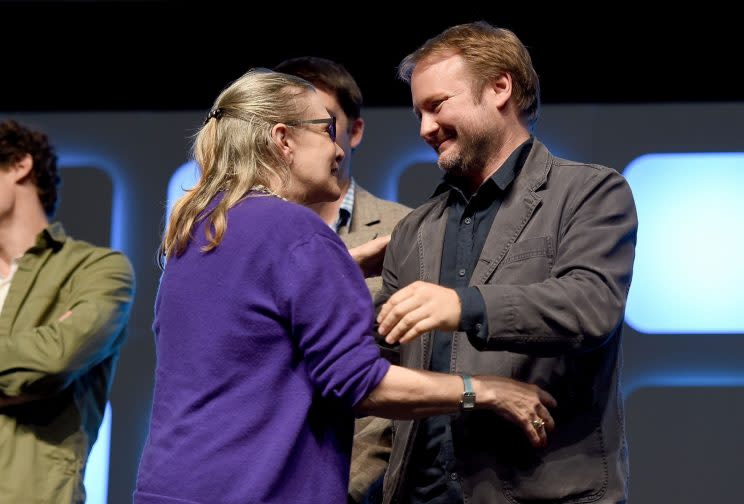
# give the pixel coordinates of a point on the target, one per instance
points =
(419, 153)
(689, 271)
(703, 379)
(97, 469)
(120, 187)
(185, 177)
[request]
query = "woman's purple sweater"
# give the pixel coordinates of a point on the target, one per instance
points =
(263, 347)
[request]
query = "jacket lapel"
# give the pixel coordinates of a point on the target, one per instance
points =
(25, 276)
(514, 214)
(366, 211)
(430, 243)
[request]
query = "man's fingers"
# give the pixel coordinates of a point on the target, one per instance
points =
(391, 303)
(422, 326)
(396, 311)
(402, 319)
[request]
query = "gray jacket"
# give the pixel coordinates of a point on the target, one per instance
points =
(554, 273)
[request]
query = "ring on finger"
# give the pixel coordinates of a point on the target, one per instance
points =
(538, 423)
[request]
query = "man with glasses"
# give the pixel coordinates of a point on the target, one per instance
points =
(358, 217)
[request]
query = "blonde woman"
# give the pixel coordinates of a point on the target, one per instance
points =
(263, 321)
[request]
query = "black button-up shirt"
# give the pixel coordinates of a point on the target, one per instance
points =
(432, 473)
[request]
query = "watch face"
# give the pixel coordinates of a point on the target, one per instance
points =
(468, 400)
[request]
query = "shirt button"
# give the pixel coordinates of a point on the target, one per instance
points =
(453, 476)
(461, 272)
(468, 220)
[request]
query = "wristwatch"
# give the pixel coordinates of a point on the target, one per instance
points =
(468, 396)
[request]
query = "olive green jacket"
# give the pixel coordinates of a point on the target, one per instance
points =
(55, 375)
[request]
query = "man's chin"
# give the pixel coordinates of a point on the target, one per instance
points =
(449, 164)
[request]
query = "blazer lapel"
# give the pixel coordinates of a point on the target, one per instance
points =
(510, 220)
(366, 211)
(514, 214)
(430, 243)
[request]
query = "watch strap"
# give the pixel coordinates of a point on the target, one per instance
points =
(467, 402)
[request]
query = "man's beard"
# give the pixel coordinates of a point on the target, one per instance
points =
(474, 151)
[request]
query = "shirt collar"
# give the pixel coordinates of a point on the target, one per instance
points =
(347, 207)
(52, 236)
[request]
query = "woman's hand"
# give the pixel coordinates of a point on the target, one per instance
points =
(523, 404)
(369, 255)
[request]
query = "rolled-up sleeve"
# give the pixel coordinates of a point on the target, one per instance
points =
(331, 314)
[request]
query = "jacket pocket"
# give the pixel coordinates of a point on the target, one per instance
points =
(540, 246)
(528, 261)
(574, 471)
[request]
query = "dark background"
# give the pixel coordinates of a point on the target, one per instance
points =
(151, 55)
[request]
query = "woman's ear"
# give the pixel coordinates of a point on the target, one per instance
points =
(280, 136)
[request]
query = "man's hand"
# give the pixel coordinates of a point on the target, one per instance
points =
(522, 404)
(416, 309)
(369, 255)
(6, 401)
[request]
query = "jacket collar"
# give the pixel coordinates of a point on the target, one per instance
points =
(52, 236)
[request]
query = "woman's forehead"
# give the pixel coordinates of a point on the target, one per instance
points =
(316, 105)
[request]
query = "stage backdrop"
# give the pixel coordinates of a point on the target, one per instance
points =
(683, 376)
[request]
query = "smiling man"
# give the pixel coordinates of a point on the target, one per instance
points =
(519, 265)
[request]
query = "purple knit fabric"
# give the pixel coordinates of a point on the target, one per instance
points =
(263, 347)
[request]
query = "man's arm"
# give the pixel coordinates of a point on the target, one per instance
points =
(573, 310)
(43, 360)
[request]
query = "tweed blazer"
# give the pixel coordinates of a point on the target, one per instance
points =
(372, 217)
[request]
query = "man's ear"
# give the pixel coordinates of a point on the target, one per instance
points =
(22, 168)
(280, 136)
(501, 87)
(356, 132)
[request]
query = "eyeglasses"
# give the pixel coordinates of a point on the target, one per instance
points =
(329, 121)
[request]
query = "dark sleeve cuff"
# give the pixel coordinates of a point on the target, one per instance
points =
(473, 319)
